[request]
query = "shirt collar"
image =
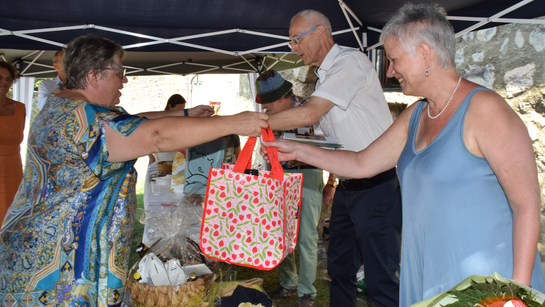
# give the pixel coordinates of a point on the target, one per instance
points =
(328, 61)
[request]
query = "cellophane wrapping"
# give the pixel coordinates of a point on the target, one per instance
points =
(174, 234)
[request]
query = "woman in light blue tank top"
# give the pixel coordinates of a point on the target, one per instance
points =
(470, 194)
(456, 217)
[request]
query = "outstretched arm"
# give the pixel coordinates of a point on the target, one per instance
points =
(174, 133)
(379, 156)
(198, 111)
(305, 115)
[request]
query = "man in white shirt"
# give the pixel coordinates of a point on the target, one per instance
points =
(47, 87)
(348, 103)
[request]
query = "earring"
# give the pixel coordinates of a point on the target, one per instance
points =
(427, 71)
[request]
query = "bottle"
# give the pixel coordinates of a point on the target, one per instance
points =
(137, 276)
(252, 172)
(141, 249)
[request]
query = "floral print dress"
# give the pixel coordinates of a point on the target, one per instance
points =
(66, 239)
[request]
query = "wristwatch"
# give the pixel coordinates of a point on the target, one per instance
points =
(332, 183)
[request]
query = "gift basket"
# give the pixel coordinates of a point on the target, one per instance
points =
(172, 270)
(486, 291)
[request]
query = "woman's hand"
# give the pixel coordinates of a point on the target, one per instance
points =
(249, 123)
(286, 150)
(200, 111)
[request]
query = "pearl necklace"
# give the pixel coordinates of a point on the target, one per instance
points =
(452, 95)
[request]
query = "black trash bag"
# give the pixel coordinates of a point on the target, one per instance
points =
(246, 295)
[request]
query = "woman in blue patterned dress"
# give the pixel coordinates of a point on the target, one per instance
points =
(67, 237)
(470, 193)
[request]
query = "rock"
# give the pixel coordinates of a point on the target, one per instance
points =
(459, 57)
(519, 39)
(486, 35)
(519, 79)
(478, 56)
(537, 39)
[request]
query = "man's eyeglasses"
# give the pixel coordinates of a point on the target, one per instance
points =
(295, 41)
(123, 71)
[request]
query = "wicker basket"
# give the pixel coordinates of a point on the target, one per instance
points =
(190, 294)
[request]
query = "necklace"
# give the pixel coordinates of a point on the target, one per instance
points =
(452, 95)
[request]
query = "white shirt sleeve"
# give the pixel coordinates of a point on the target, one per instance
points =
(45, 89)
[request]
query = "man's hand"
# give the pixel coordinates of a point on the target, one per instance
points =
(200, 111)
(249, 123)
(328, 194)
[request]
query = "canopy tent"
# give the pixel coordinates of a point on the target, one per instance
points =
(207, 36)
(212, 36)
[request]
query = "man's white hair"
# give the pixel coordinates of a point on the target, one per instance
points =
(314, 18)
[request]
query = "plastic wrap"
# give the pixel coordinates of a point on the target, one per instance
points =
(172, 271)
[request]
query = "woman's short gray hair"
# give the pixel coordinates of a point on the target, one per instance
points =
(315, 18)
(86, 53)
(420, 23)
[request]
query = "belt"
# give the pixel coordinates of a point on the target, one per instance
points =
(366, 183)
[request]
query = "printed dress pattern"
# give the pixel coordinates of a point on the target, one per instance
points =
(66, 239)
(251, 220)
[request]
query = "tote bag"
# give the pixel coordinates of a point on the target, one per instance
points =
(251, 220)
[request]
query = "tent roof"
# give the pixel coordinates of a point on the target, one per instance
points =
(211, 36)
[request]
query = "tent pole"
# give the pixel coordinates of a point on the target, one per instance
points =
(498, 20)
(245, 60)
(262, 48)
(35, 58)
(494, 17)
(343, 8)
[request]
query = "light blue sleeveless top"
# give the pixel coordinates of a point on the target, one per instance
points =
(456, 218)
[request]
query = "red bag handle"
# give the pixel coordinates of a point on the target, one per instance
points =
(244, 161)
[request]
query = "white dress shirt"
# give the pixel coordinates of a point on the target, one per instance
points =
(45, 89)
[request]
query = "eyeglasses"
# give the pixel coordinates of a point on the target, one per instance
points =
(6, 79)
(123, 70)
(295, 41)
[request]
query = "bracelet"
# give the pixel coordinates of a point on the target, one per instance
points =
(186, 112)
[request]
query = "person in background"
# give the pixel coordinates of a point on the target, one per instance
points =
(69, 230)
(275, 94)
(175, 102)
(232, 148)
(48, 87)
(348, 104)
(12, 125)
(471, 198)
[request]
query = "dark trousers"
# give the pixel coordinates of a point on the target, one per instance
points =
(365, 228)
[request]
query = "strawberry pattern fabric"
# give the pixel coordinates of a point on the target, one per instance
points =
(251, 220)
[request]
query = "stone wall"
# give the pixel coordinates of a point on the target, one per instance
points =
(509, 57)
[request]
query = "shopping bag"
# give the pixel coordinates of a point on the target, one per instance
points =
(251, 220)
